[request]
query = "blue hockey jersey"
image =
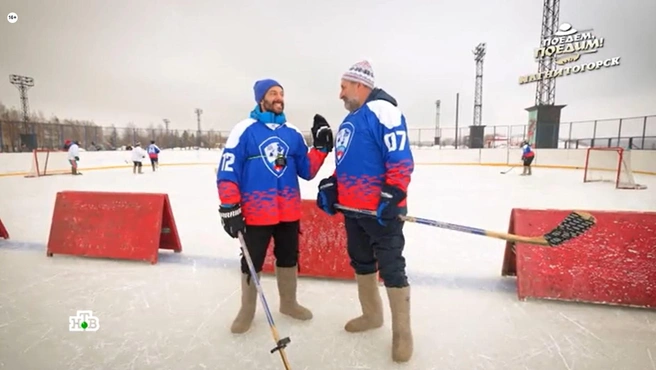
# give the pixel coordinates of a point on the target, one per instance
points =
(372, 148)
(248, 173)
(153, 151)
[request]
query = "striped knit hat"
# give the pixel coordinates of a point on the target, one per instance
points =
(361, 72)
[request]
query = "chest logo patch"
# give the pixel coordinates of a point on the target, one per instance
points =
(343, 141)
(270, 150)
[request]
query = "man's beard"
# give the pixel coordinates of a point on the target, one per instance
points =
(351, 105)
(269, 106)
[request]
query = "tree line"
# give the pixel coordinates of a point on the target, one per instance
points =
(51, 133)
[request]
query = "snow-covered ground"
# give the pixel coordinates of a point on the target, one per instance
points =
(176, 314)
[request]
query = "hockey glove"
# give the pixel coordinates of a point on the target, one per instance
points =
(322, 135)
(327, 197)
(388, 204)
(232, 220)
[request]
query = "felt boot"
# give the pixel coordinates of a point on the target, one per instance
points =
(402, 345)
(287, 281)
(371, 303)
(244, 318)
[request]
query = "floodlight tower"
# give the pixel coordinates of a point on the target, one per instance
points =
(23, 83)
(166, 124)
(545, 91)
(544, 116)
(477, 130)
(198, 113)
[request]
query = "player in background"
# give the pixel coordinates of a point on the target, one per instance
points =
(137, 155)
(153, 153)
(73, 155)
(258, 187)
(373, 169)
(527, 157)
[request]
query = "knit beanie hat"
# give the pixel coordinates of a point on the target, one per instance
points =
(361, 72)
(262, 86)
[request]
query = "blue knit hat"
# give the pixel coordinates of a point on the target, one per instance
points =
(262, 86)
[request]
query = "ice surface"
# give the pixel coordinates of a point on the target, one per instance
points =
(176, 314)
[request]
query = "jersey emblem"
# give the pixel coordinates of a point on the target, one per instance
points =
(270, 149)
(343, 140)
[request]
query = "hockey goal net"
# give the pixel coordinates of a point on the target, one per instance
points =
(610, 165)
(47, 162)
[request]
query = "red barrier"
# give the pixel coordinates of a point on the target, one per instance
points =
(613, 263)
(129, 226)
(322, 248)
(3, 231)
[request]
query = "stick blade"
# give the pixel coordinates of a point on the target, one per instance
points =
(574, 225)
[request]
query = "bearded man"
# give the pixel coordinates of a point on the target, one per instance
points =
(258, 187)
(373, 168)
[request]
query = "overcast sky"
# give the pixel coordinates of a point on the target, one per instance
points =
(140, 61)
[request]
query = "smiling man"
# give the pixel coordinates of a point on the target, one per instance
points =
(374, 164)
(258, 186)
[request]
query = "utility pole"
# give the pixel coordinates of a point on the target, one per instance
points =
(166, 124)
(438, 134)
(23, 83)
(457, 109)
(198, 113)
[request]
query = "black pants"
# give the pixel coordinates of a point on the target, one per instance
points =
(528, 161)
(285, 244)
(373, 247)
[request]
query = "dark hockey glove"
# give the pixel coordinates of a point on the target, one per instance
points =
(232, 220)
(388, 204)
(327, 197)
(322, 135)
(77, 159)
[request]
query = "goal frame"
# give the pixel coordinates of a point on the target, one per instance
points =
(621, 161)
(36, 171)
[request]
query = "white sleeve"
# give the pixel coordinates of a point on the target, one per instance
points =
(73, 152)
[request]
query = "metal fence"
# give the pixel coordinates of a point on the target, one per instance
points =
(629, 132)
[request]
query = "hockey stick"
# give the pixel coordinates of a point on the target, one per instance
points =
(574, 225)
(281, 344)
(505, 172)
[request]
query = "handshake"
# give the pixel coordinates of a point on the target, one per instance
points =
(388, 204)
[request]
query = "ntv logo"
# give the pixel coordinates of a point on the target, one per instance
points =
(83, 321)
(567, 45)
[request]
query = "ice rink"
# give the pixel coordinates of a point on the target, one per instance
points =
(176, 314)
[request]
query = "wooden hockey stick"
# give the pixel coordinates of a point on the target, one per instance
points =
(574, 225)
(281, 344)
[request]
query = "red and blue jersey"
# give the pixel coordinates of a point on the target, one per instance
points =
(153, 151)
(250, 171)
(527, 152)
(372, 148)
